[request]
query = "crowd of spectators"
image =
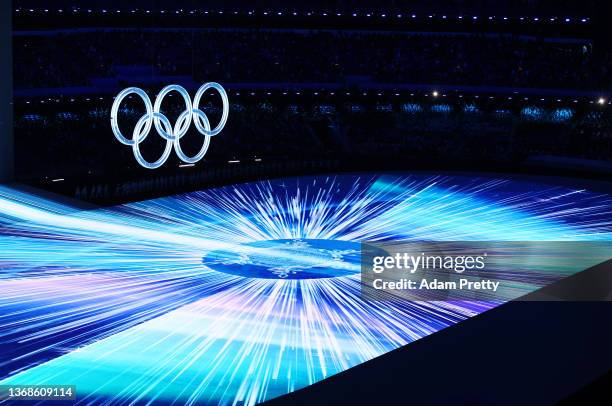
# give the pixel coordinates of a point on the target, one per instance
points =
(277, 132)
(271, 140)
(75, 58)
(46, 142)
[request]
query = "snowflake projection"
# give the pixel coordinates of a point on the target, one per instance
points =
(327, 259)
(243, 293)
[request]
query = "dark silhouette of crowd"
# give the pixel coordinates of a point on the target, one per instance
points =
(263, 140)
(77, 58)
(274, 131)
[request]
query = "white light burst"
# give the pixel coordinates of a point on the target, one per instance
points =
(143, 302)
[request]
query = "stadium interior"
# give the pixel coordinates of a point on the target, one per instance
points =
(328, 86)
(236, 278)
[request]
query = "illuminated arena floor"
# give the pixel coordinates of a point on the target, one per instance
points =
(243, 293)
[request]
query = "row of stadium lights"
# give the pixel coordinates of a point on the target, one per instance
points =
(435, 94)
(312, 13)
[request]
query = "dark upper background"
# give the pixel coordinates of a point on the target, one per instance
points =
(327, 86)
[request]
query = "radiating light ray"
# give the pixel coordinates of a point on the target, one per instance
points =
(127, 304)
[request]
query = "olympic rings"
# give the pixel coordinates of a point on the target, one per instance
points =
(154, 118)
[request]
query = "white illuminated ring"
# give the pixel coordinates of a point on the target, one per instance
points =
(154, 118)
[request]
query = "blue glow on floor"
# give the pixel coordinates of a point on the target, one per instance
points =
(247, 292)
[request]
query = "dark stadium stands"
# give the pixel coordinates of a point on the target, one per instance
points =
(491, 89)
(293, 56)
